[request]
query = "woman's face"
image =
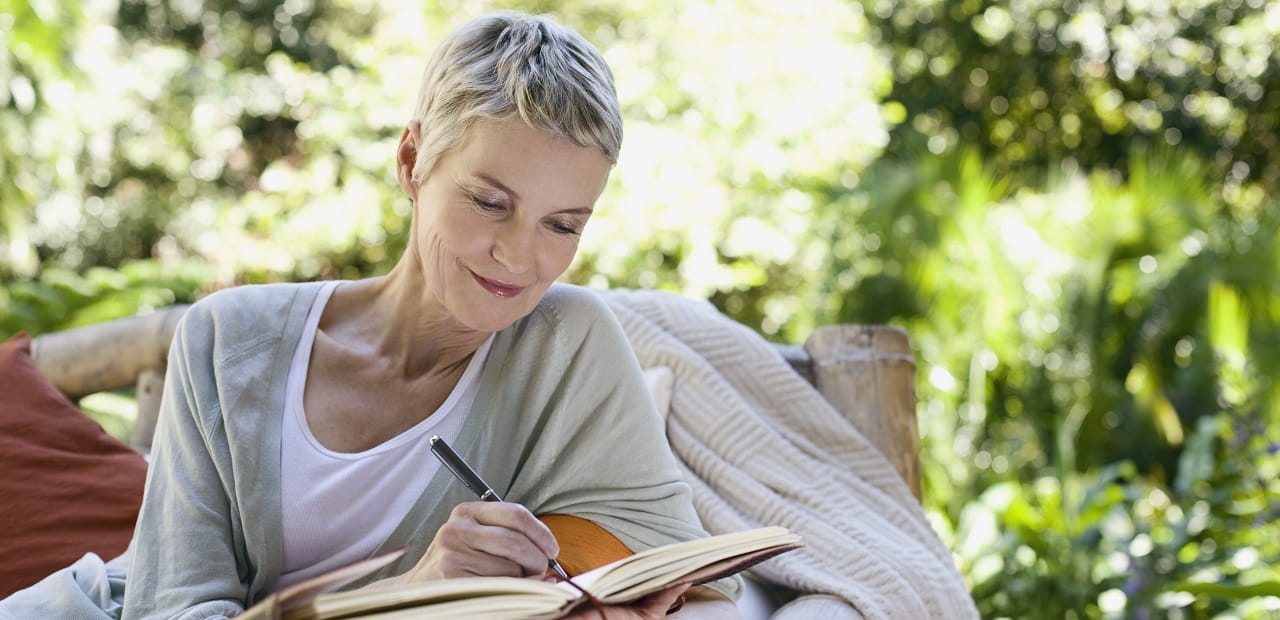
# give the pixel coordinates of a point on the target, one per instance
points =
(499, 218)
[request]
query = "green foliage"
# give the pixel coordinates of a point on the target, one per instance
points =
(1115, 544)
(1095, 300)
(1071, 206)
(1035, 82)
(32, 60)
(1073, 339)
(62, 299)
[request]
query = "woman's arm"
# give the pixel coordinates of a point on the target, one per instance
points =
(183, 558)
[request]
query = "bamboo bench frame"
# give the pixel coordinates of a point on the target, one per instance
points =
(866, 371)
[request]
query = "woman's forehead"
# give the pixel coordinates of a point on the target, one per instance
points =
(526, 161)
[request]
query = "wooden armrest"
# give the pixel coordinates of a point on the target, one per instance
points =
(111, 356)
(106, 356)
(867, 372)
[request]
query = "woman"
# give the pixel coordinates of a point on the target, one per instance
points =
(294, 423)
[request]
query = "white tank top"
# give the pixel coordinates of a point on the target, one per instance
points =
(339, 507)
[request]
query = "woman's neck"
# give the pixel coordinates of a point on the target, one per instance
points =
(396, 317)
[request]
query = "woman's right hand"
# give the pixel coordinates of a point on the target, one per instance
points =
(490, 539)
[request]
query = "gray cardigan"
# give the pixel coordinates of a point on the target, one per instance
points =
(562, 424)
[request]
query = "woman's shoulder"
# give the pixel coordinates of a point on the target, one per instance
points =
(255, 300)
(569, 303)
(571, 319)
(247, 313)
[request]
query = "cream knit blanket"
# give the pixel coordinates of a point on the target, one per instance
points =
(760, 446)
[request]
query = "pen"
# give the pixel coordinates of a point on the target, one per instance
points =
(473, 481)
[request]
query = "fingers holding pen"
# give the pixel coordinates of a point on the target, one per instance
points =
(489, 539)
(514, 523)
(493, 528)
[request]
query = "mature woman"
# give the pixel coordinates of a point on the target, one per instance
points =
(294, 425)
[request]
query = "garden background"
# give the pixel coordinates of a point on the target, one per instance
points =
(1071, 206)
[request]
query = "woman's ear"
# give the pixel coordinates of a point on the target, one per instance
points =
(407, 156)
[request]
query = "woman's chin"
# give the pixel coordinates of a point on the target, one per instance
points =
(494, 315)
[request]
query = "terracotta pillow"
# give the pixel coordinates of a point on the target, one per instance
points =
(68, 486)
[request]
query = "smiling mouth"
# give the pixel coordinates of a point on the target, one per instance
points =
(496, 288)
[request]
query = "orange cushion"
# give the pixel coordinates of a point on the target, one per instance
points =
(68, 486)
(583, 544)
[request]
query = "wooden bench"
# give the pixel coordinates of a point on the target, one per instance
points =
(866, 371)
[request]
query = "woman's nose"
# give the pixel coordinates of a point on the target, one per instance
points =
(513, 248)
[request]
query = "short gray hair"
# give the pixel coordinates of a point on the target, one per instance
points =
(509, 63)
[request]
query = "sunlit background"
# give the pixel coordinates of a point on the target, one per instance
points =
(1071, 206)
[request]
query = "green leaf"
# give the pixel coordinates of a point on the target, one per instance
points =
(1197, 460)
(1098, 504)
(1233, 592)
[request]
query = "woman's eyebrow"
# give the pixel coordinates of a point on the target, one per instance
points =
(498, 184)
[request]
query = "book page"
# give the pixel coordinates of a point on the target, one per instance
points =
(502, 606)
(303, 592)
(653, 569)
(478, 593)
(696, 574)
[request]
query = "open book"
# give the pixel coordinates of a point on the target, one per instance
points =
(623, 581)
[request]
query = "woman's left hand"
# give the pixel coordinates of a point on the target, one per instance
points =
(653, 606)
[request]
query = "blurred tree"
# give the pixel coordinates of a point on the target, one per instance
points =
(1032, 82)
(35, 77)
(245, 33)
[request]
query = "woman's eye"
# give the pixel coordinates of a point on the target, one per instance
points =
(564, 229)
(486, 205)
